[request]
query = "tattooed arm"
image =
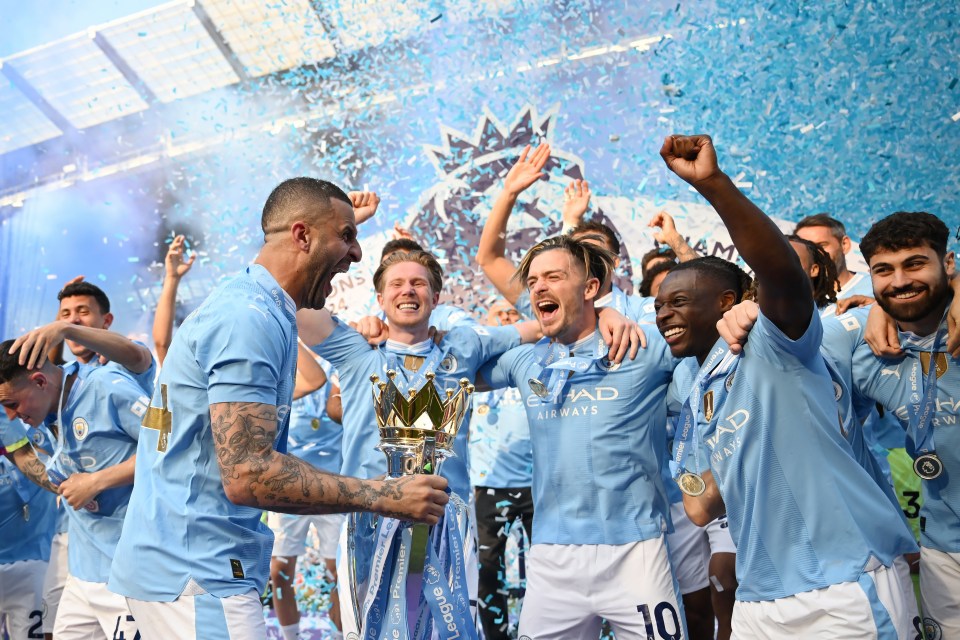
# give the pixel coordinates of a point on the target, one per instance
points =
(255, 475)
(25, 458)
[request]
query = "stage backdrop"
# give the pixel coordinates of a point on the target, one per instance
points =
(852, 109)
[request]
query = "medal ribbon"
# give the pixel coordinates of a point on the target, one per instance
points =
(444, 600)
(55, 475)
(556, 357)
(407, 380)
(919, 429)
(718, 364)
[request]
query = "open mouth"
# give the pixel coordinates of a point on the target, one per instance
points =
(408, 306)
(547, 309)
(673, 334)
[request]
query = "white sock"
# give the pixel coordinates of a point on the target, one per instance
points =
(291, 631)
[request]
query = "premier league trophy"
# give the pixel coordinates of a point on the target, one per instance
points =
(409, 580)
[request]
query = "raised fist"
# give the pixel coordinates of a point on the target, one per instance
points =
(693, 158)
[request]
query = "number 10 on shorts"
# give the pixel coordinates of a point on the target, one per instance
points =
(665, 617)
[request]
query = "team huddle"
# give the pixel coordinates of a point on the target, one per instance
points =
(721, 455)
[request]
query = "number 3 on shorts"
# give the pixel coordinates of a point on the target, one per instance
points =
(660, 612)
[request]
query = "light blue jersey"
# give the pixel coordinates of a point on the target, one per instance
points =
(44, 445)
(859, 284)
(13, 435)
(501, 455)
(898, 385)
(313, 436)
(446, 316)
(803, 514)
(145, 379)
(598, 448)
(28, 514)
(465, 348)
(841, 337)
(634, 307)
(99, 429)
(239, 346)
(28, 517)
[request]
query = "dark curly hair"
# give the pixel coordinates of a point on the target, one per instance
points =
(825, 283)
(906, 230)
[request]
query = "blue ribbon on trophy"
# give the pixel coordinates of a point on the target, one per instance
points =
(409, 580)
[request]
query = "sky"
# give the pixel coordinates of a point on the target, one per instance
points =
(30, 24)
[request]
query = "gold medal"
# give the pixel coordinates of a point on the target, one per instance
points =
(691, 484)
(941, 362)
(315, 424)
(708, 406)
(483, 409)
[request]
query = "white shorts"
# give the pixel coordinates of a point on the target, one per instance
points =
(54, 580)
(290, 533)
(89, 611)
(570, 588)
(21, 586)
(719, 538)
(689, 551)
(940, 593)
(197, 615)
(871, 609)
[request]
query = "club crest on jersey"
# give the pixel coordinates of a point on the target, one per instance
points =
(728, 383)
(80, 428)
(37, 437)
(448, 364)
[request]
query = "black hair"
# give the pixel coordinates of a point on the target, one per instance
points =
(400, 244)
(725, 273)
(663, 251)
(825, 282)
(823, 220)
(291, 194)
(646, 284)
(10, 367)
(906, 230)
(84, 288)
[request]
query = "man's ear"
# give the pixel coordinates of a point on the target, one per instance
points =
(591, 288)
(845, 245)
(107, 320)
(950, 263)
(727, 299)
(814, 270)
(38, 379)
(300, 233)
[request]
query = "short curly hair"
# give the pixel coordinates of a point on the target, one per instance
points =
(906, 230)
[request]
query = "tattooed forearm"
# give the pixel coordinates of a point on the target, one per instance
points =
(25, 458)
(253, 474)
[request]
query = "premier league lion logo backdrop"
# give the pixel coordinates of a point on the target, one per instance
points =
(470, 170)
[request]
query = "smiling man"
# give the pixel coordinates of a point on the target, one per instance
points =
(910, 267)
(598, 432)
(194, 556)
(759, 437)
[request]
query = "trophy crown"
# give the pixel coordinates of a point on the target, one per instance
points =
(425, 409)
